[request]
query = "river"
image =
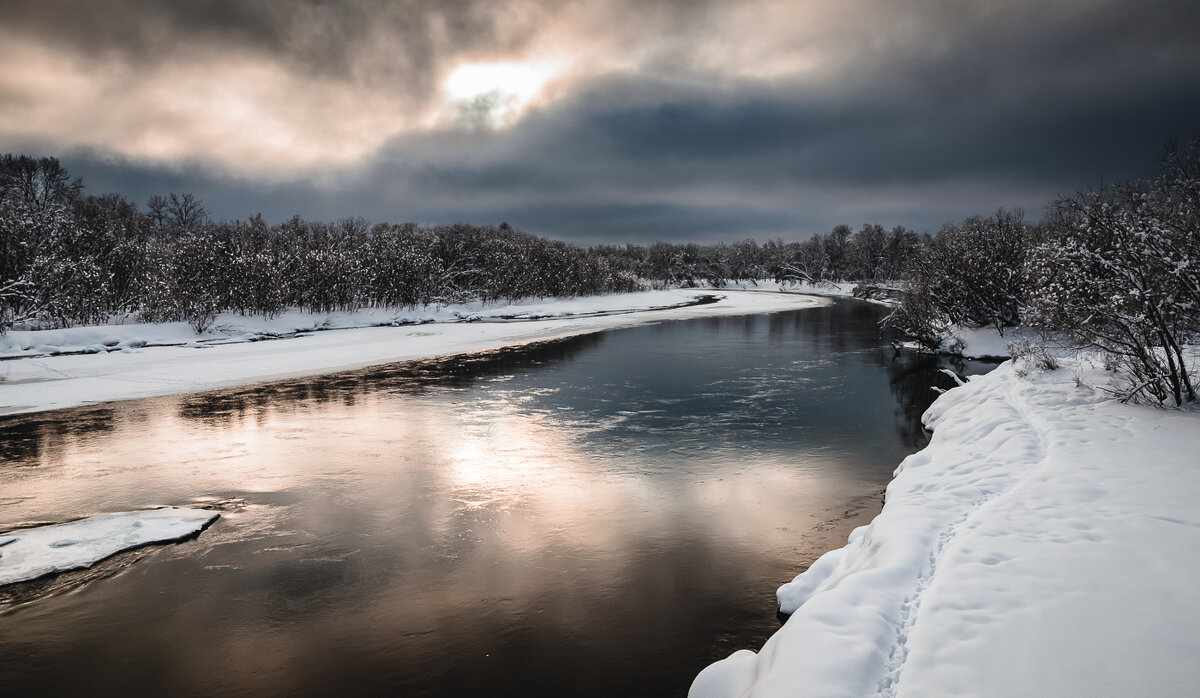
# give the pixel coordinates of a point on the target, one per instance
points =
(598, 516)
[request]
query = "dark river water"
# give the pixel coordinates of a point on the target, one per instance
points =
(598, 516)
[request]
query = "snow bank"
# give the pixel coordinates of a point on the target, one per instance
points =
(982, 342)
(835, 289)
(231, 328)
(29, 553)
(132, 361)
(1044, 543)
(829, 289)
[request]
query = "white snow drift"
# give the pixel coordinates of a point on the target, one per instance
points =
(1046, 543)
(124, 364)
(29, 553)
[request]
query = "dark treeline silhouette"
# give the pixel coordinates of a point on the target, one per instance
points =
(873, 254)
(68, 258)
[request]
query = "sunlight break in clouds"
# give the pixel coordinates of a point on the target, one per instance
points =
(278, 92)
(639, 118)
(497, 94)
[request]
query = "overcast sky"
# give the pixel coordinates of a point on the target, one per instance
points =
(593, 121)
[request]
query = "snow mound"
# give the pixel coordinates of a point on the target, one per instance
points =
(1042, 544)
(985, 343)
(30, 553)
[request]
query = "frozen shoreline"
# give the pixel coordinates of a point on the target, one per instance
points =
(153, 360)
(1042, 544)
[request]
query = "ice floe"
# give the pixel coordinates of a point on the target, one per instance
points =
(29, 553)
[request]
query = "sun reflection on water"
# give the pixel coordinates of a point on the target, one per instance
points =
(402, 524)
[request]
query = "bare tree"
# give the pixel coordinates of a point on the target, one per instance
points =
(36, 183)
(971, 274)
(177, 211)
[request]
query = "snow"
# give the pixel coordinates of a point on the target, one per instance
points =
(1046, 542)
(978, 342)
(229, 328)
(982, 342)
(133, 361)
(29, 553)
(828, 289)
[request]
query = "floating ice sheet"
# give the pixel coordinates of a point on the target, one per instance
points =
(29, 553)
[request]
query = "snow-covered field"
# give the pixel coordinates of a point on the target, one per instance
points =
(52, 369)
(1045, 543)
(29, 553)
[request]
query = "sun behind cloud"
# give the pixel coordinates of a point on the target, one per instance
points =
(497, 93)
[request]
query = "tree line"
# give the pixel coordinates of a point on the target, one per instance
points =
(1115, 269)
(67, 258)
(872, 254)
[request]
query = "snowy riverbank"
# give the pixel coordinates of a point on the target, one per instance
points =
(1044, 543)
(828, 289)
(63, 368)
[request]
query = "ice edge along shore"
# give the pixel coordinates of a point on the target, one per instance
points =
(1044, 543)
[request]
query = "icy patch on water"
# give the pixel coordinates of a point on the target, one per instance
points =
(30, 553)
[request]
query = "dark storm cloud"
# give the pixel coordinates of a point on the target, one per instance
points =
(396, 46)
(920, 113)
(697, 168)
(802, 161)
(374, 40)
(321, 35)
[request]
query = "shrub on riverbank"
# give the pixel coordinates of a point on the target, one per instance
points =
(970, 275)
(1115, 270)
(1122, 275)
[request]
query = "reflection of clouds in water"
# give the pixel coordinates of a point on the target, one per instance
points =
(404, 524)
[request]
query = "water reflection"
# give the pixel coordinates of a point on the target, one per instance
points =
(603, 515)
(913, 378)
(410, 378)
(24, 440)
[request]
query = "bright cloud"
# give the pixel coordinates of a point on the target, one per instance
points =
(271, 91)
(644, 118)
(496, 94)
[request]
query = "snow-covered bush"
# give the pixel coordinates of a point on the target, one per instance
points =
(1030, 356)
(1122, 274)
(967, 275)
